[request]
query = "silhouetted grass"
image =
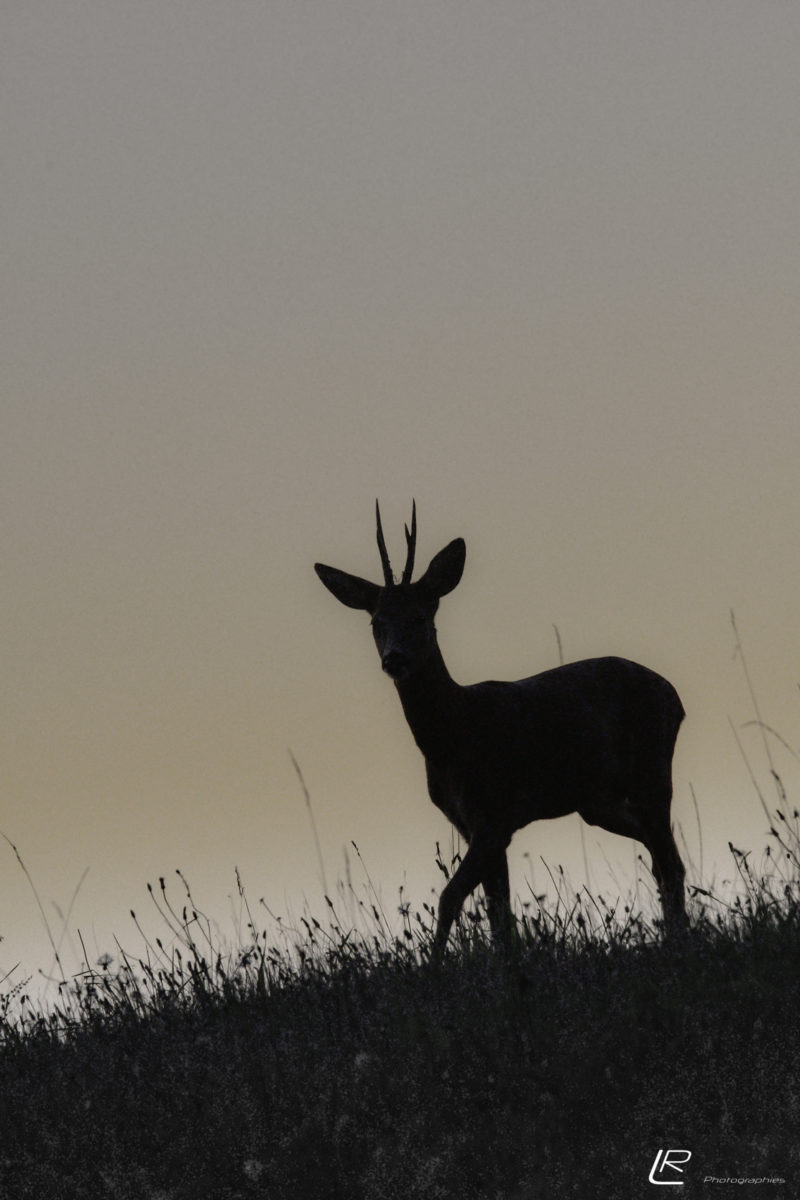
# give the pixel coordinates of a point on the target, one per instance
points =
(322, 1062)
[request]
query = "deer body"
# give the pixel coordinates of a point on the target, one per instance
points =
(594, 737)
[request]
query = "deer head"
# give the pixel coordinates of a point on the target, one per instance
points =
(402, 612)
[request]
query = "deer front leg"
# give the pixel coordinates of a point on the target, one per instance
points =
(498, 895)
(484, 862)
(467, 877)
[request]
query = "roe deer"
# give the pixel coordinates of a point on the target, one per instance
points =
(594, 737)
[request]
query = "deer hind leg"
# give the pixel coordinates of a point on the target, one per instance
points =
(635, 820)
(653, 797)
(670, 874)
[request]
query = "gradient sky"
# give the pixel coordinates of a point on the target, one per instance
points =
(534, 264)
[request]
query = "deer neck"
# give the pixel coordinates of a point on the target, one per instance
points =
(431, 702)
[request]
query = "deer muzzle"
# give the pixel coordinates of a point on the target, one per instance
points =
(395, 663)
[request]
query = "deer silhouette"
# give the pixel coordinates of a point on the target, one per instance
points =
(594, 737)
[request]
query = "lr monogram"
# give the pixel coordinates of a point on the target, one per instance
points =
(669, 1160)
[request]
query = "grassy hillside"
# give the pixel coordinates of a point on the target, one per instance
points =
(336, 1065)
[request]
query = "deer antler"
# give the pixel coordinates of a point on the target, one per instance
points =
(411, 542)
(388, 578)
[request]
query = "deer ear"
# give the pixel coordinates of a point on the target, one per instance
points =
(349, 589)
(445, 570)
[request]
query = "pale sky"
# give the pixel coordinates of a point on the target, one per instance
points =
(534, 264)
